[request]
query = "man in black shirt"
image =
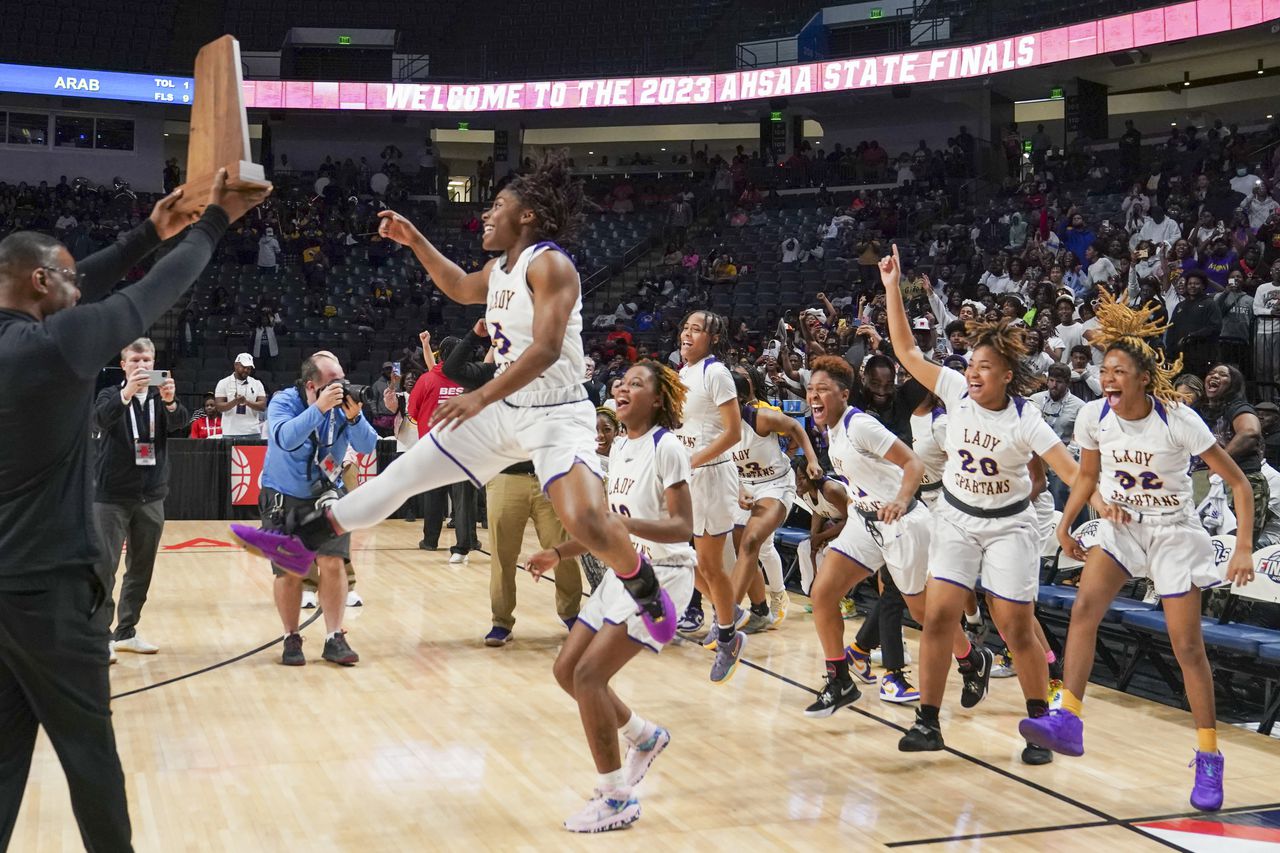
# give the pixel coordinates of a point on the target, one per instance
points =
(132, 476)
(53, 628)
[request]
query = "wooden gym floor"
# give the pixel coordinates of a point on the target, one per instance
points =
(436, 742)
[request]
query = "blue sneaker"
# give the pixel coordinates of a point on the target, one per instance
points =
(727, 657)
(894, 687)
(497, 636)
(712, 639)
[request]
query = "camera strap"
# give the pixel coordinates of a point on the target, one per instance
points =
(322, 458)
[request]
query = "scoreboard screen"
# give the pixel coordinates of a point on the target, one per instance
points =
(107, 85)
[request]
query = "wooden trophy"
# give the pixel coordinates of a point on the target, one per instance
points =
(219, 127)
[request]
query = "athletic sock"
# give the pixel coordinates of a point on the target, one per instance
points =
(1072, 703)
(725, 632)
(635, 571)
(966, 660)
(838, 668)
(974, 618)
(614, 781)
(929, 716)
(637, 729)
(761, 609)
(1037, 708)
(332, 634)
(1207, 740)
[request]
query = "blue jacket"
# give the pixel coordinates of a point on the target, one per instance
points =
(297, 431)
(1076, 241)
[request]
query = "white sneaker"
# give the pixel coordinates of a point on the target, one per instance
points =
(458, 558)
(778, 603)
(135, 644)
(877, 656)
(354, 599)
(111, 650)
(605, 811)
(1003, 667)
(310, 600)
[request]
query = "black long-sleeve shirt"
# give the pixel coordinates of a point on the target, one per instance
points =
(48, 369)
(117, 476)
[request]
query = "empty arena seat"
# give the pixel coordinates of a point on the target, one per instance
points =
(790, 536)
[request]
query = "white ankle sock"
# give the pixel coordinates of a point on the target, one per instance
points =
(614, 782)
(330, 636)
(637, 729)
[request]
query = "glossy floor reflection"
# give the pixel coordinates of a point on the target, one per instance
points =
(436, 742)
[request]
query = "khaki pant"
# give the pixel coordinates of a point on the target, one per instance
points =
(513, 500)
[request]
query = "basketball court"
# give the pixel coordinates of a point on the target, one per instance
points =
(436, 742)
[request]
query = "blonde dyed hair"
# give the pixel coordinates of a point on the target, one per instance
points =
(1128, 330)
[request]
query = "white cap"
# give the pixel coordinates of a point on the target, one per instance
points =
(245, 359)
(921, 324)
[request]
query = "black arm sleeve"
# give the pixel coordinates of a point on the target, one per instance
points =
(88, 335)
(104, 268)
(459, 367)
(108, 408)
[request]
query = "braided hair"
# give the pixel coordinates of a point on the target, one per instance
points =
(1008, 338)
(671, 393)
(717, 327)
(609, 415)
(553, 195)
(1128, 329)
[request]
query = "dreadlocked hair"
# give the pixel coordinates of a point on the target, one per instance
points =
(717, 327)
(835, 367)
(1128, 330)
(553, 195)
(609, 415)
(671, 393)
(1010, 341)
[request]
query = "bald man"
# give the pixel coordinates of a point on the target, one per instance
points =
(53, 627)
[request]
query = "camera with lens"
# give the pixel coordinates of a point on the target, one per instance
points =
(352, 393)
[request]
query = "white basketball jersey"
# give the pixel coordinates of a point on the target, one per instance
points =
(640, 471)
(857, 445)
(988, 451)
(821, 506)
(759, 457)
(509, 316)
(928, 440)
(1144, 462)
(710, 386)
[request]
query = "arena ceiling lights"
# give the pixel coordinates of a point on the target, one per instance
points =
(1078, 41)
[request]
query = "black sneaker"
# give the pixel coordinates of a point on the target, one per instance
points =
(834, 696)
(293, 651)
(427, 546)
(977, 676)
(922, 737)
(1036, 755)
(337, 651)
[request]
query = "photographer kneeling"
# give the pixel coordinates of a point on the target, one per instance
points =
(310, 427)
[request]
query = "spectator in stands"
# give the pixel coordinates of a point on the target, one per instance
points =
(1219, 261)
(1059, 408)
(207, 424)
(240, 399)
(1269, 422)
(132, 477)
(1194, 327)
(268, 252)
(1075, 234)
(1238, 429)
(1259, 206)
(382, 418)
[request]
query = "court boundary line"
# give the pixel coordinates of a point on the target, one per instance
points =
(1083, 825)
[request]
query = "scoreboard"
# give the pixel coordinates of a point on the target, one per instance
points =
(107, 85)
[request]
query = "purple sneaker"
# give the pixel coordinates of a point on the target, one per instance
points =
(1207, 793)
(1060, 731)
(285, 551)
(663, 628)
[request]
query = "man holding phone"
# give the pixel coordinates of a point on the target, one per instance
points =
(132, 481)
